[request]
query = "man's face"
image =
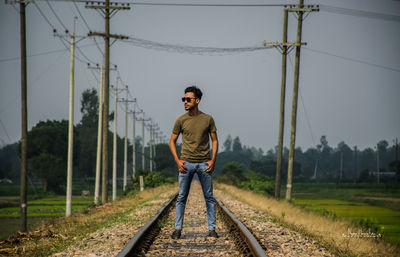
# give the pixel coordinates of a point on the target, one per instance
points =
(193, 101)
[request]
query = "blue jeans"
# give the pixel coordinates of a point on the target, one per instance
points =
(185, 179)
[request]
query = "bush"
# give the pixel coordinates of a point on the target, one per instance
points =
(231, 174)
(150, 179)
(258, 183)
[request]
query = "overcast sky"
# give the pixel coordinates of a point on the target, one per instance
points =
(349, 72)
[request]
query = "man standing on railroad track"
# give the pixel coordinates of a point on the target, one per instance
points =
(196, 128)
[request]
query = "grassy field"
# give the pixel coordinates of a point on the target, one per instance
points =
(53, 236)
(323, 227)
(39, 210)
(376, 210)
(41, 206)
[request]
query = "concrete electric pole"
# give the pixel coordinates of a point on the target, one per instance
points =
(300, 10)
(70, 165)
(107, 11)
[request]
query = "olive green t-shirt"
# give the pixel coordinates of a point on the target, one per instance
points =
(195, 136)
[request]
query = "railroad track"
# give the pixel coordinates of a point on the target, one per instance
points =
(154, 238)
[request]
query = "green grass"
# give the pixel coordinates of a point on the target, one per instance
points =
(38, 209)
(351, 203)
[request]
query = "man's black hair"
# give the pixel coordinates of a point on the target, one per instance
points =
(195, 90)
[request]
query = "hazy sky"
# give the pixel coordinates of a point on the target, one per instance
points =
(349, 72)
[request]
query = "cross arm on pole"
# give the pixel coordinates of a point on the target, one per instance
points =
(91, 34)
(280, 46)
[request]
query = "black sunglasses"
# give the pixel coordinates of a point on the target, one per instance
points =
(188, 99)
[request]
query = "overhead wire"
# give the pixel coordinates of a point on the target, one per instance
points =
(304, 108)
(44, 16)
(87, 25)
(353, 60)
(206, 4)
(61, 39)
(360, 13)
(55, 14)
(149, 44)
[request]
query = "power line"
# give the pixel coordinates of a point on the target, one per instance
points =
(208, 5)
(307, 119)
(55, 14)
(87, 26)
(304, 108)
(5, 130)
(39, 54)
(187, 4)
(191, 49)
(44, 16)
(353, 60)
(80, 14)
(360, 13)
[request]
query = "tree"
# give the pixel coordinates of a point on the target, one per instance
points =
(343, 153)
(51, 169)
(256, 153)
(228, 144)
(232, 173)
(324, 162)
(10, 164)
(48, 151)
(87, 133)
(89, 108)
(383, 150)
(236, 146)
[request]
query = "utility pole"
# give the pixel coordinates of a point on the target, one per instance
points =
(126, 140)
(71, 126)
(24, 118)
(282, 109)
(99, 130)
(155, 143)
(99, 133)
(134, 142)
(143, 163)
(377, 162)
(355, 165)
(151, 146)
(70, 166)
(107, 11)
(114, 171)
(341, 166)
(397, 166)
(300, 12)
(143, 126)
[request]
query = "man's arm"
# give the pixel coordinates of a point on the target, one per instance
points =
(172, 146)
(211, 164)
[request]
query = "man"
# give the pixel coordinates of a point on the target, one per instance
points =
(196, 127)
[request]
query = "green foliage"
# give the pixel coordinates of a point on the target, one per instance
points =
(228, 144)
(49, 137)
(9, 161)
(231, 174)
(371, 225)
(258, 183)
(150, 179)
(47, 150)
(51, 169)
(89, 108)
(237, 145)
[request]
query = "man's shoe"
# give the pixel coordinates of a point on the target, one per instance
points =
(176, 234)
(212, 233)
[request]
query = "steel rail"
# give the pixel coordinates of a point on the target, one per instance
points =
(140, 243)
(251, 241)
(147, 233)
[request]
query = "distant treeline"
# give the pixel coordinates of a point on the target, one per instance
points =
(47, 155)
(322, 162)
